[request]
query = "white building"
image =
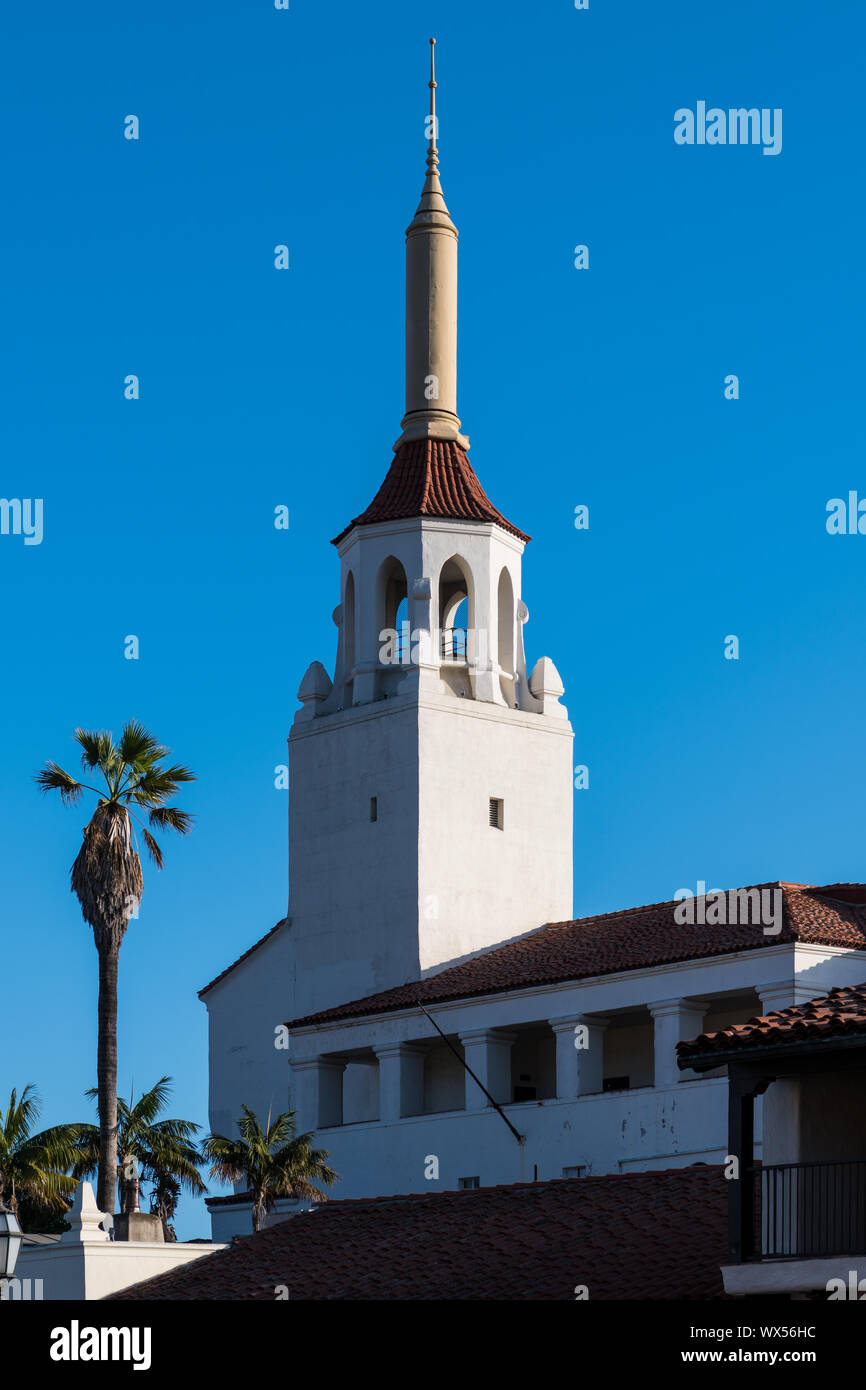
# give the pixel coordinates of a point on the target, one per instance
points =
(430, 841)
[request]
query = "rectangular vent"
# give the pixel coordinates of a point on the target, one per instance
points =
(374, 808)
(496, 813)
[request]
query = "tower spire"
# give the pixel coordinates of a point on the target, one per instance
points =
(432, 151)
(431, 305)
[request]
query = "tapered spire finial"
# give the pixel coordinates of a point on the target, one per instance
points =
(432, 151)
(431, 305)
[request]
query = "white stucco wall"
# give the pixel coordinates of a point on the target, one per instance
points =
(354, 882)
(478, 885)
(243, 1010)
(605, 1133)
(94, 1271)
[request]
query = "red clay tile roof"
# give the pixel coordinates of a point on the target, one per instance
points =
(839, 1014)
(627, 1236)
(229, 968)
(431, 477)
(636, 939)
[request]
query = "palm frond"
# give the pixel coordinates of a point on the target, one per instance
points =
(153, 849)
(52, 778)
(175, 1131)
(20, 1116)
(155, 786)
(137, 747)
(171, 818)
(148, 1105)
(86, 1153)
(177, 773)
(97, 748)
(58, 1146)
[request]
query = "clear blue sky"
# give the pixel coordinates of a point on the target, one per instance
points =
(259, 387)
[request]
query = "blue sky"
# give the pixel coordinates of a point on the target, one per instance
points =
(258, 388)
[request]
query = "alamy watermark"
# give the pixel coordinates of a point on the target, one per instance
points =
(846, 516)
(22, 517)
(21, 1290)
(737, 907)
(736, 126)
(408, 646)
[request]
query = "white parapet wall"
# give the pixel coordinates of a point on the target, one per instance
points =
(85, 1264)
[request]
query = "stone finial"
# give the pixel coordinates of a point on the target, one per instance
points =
(545, 683)
(84, 1219)
(313, 689)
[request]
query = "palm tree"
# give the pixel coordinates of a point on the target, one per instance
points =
(107, 879)
(274, 1162)
(33, 1167)
(165, 1150)
(164, 1197)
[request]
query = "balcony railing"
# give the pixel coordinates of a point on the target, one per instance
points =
(454, 643)
(811, 1209)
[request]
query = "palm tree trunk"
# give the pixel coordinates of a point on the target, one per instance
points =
(106, 1078)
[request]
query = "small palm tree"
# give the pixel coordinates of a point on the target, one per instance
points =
(164, 1197)
(165, 1150)
(274, 1162)
(107, 879)
(34, 1166)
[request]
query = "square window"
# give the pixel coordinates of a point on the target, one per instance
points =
(468, 1184)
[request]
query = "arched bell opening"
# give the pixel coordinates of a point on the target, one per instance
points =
(456, 611)
(505, 629)
(349, 637)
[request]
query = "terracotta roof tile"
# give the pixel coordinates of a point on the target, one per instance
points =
(628, 1236)
(431, 477)
(839, 1014)
(635, 939)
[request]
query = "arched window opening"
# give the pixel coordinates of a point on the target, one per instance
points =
(349, 627)
(457, 633)
(401, 624)
(393, 611)
(454, 611)
(505, 619)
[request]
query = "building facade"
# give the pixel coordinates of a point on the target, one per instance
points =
(450, 1024)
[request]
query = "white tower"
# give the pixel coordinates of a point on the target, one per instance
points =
(431, 780)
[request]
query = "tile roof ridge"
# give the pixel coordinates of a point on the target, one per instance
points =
(464, 1194)
(825, 890)
(668, 902)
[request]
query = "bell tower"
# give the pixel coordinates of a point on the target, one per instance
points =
(430, 776)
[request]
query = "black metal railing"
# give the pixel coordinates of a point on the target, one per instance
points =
(454, 643)
(811, 1209)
